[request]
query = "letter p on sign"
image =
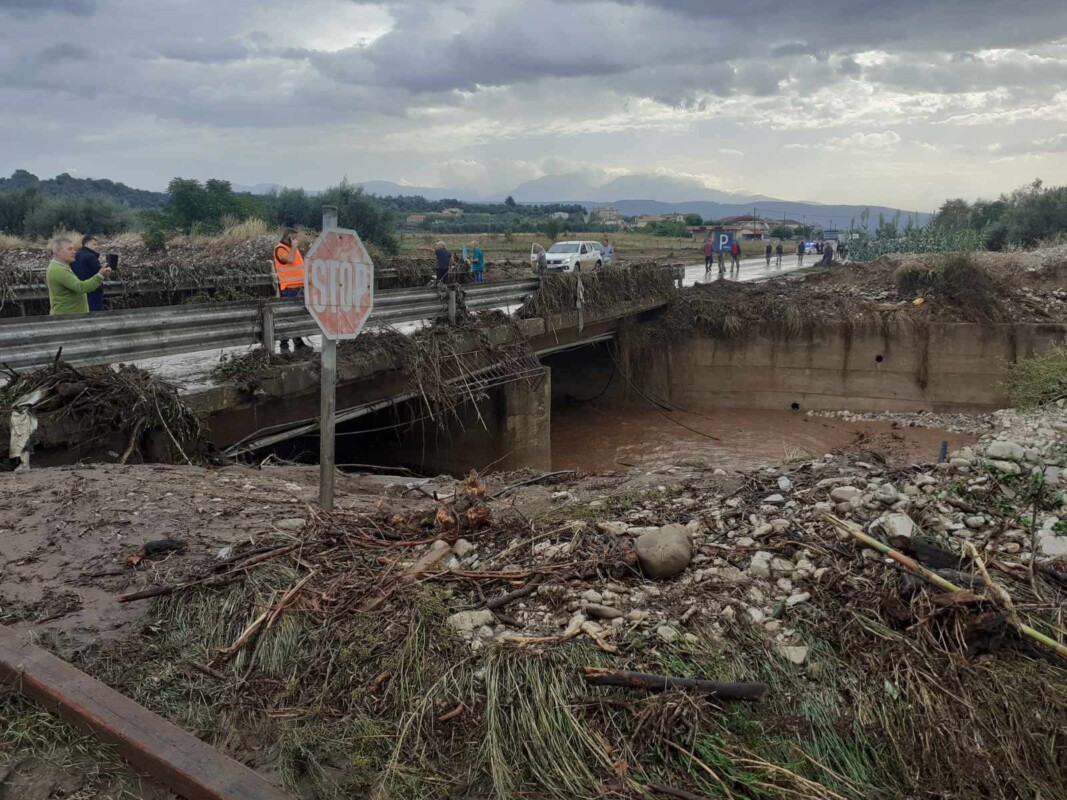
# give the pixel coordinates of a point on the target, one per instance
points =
(339, 283)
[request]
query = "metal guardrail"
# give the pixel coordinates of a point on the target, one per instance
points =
(38, 292)
(115, 336)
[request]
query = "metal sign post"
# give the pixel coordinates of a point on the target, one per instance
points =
(339, 294)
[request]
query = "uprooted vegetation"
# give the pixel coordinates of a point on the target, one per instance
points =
(560, 293)
(233, 265)
(443, 365)
(360, 655)
(96, 403)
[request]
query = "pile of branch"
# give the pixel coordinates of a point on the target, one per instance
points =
(104, 399)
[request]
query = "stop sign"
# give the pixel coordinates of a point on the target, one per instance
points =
(339, 283)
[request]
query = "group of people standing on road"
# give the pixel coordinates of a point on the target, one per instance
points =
(711, 252)
(775, 252)
(473, 257)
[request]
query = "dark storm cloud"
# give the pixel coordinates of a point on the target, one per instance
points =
(900, 24)
(23, 9)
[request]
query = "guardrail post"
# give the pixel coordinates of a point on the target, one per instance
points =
(268, 330)
(452, 305)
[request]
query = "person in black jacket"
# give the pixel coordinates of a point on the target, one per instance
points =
(86, 264)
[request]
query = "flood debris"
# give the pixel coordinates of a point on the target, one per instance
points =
(405, 647)
(121, 405)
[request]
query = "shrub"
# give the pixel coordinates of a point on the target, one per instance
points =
(155, 240)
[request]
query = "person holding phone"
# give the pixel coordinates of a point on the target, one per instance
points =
(66, 291)
(289, 270)
(86, 264)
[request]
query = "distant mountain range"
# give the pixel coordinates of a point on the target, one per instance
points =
(636, 195)
(632, 195)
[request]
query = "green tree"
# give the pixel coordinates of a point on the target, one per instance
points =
(510, 202)
(955, 213)
(551, 228)
(693, 220)
(97, 215)
(782, 232)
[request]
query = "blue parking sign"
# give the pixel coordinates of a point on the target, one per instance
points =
(723, 242)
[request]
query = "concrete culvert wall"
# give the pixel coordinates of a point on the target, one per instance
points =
(936, 367)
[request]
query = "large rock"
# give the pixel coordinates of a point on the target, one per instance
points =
(1006, 451)
(665, 552)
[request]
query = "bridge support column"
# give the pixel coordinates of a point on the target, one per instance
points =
(510, 429)
(526, 424)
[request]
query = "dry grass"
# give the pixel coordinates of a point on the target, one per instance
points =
(9, 242)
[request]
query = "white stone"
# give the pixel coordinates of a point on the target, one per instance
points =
(462, 547)
(756, 615)
(784, 584)
(291, 524)
(666, 633)
(615, 527)
(797, 599)
(602, 612)
(898, 526)
(782, 566)
(795, 654)
(760, 565)
(774, 499)
(744, 541)
(975, 522)
(1006, 450)
(842, 494)
(592, 596)
(467, 621)
(780, 525)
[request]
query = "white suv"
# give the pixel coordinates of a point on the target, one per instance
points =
(573, 256)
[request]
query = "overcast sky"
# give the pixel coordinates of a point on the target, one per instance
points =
(866, 101)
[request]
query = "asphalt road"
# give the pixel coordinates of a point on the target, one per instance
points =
(752, 269)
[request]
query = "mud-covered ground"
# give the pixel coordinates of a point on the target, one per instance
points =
(369, 684)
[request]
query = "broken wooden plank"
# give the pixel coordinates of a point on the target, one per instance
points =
(625, 679)
(172, 756)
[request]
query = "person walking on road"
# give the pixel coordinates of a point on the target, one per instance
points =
(768, 253)
(477, 262)
(289, 269)
(827, 253)
(709, 253)
(778, 252)
(86, 264)
(735, 256)
(800, 253)
(66, 292)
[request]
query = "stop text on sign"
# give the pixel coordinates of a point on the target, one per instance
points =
(334, 285)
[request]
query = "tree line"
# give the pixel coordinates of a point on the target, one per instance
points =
(1031, 214)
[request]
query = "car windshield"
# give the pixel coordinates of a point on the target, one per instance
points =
(564, 247)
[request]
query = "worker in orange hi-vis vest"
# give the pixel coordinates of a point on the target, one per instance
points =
(289, 269)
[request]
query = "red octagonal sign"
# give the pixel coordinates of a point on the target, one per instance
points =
(339, 283)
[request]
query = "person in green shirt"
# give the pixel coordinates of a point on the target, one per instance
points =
(66, 292)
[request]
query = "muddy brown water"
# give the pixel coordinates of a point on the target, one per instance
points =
(597, 437)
